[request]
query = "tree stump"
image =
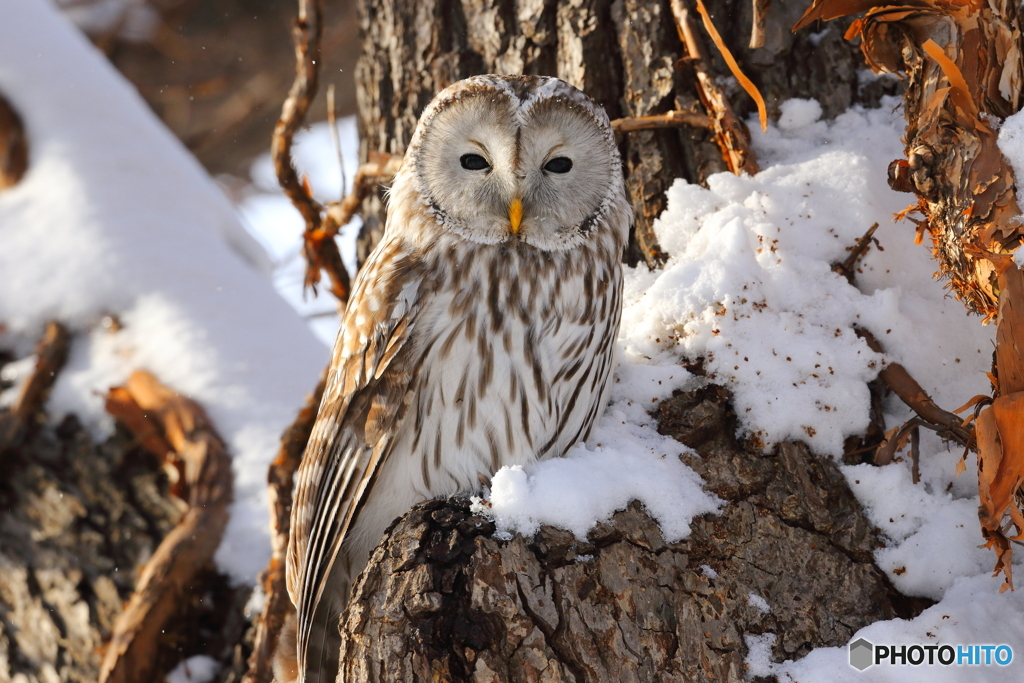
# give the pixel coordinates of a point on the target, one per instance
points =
(790, 554)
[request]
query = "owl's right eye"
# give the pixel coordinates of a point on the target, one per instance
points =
(473, 162)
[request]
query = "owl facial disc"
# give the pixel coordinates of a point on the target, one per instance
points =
(516, 159)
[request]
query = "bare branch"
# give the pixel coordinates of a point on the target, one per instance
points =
(760, 19)
(381, 170)
(332, 115)
(13, 146)
(848, 268)
(670, 119)
(896, 377)
(731, 133)
(320, 253)
(51, 354)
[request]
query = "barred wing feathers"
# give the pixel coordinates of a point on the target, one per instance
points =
(366, 395)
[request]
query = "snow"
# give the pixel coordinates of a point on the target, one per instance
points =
(798, 113)
(970, 612)
(923, 524)
(759, 654)
(629, 461)
(758, 603)
(197, 669)
(115, 217)
(270, 217)
(749, 289)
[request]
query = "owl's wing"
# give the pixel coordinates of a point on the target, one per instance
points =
(371, 370)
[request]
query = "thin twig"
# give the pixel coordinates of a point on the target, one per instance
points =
(670, 119)
(280, 479)
(915, 454)
(152, 409)
(321, 254)
(381, 170)
(848, 268)
(760, 8)
(51, 354)
(731, 134)
(335, 138)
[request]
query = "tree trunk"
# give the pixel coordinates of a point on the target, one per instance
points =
(624, 53)
(442, 600)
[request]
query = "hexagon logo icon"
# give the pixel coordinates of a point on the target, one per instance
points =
(861, 654)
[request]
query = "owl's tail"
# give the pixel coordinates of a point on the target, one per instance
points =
(322, 648)
(321, 655)
(286, 657)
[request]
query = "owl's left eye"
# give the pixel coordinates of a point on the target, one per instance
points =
(473, 162)
(559, 165)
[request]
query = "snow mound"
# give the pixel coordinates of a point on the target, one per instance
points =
(114, 217)
(197, 669)
(749, 287)
(629, 461)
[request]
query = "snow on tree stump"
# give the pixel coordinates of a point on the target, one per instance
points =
(789, 554)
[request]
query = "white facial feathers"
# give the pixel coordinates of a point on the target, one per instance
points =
(527, 159)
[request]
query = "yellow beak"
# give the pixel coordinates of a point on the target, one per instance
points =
(515, 214)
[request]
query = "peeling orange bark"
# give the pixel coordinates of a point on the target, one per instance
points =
(963, 68)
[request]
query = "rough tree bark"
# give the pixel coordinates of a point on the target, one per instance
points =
(623, 53)
(443, 600)
(80, 523)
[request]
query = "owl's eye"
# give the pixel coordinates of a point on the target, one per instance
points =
(473, 162)
(559, 165)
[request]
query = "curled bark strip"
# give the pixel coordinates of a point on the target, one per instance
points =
(13, 145)
(191, 544)
(280, 479)
(1000, 474)
(320, 253)
(670, 119)
(734, 67)
(381, 169)
(51, 354)
(731, 134)
(1009, 366)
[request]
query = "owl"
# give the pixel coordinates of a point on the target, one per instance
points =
(480, 332)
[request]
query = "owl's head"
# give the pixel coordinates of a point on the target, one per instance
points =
(529, 158)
